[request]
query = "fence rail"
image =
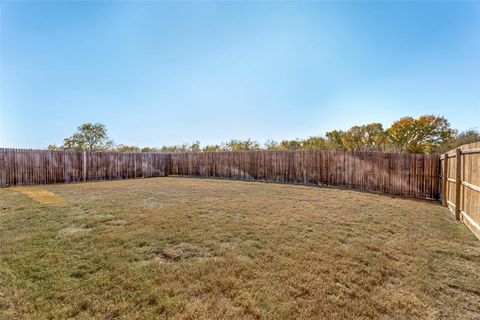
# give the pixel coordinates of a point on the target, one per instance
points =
(392, 173)
(461, 184)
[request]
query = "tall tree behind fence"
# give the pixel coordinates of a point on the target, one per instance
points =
(392, 173)
(461, 184)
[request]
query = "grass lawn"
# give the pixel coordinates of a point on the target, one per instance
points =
(181, 248)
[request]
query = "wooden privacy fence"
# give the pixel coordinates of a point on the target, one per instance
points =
(392, 173)
(28, 167)
(461, 184)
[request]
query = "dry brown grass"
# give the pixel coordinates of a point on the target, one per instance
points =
(39, 195)
(182, 248)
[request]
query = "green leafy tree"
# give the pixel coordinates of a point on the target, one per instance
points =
(212, 148)
(459, 139)
(271, 145)
(290, 145)
(195, 147)
(186, 147)
(174, 148)
(335, 139)
(54, 147)
(370, 137)
(89, 137)
(125, 148)
(314, 143)
(242, 145)
(149, 149)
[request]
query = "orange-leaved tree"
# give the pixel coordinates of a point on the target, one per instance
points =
(422, 135)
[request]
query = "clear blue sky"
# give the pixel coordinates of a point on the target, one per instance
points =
(168, 73)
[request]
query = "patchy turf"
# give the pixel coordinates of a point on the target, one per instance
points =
(182, 248)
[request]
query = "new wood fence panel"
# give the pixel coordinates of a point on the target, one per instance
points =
(469, 181)
(470, 189)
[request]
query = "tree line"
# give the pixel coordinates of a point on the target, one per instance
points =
(426, 134)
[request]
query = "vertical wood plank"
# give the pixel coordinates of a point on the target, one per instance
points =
(445, 180)
(458, 182)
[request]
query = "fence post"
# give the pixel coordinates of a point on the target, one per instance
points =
(458, 183)
(445, 179)
(84, 163)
